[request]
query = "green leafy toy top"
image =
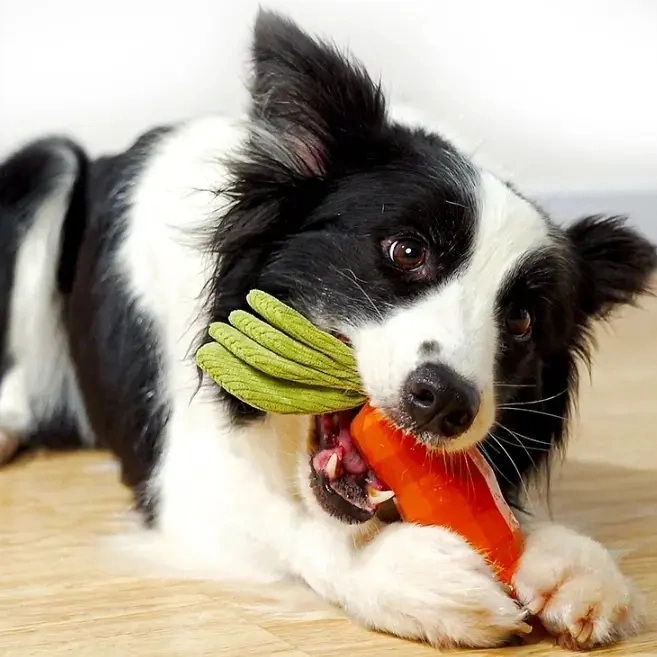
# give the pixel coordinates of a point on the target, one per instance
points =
(281, 363)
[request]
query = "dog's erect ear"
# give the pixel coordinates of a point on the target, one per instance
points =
(308, 101)
(616, 263)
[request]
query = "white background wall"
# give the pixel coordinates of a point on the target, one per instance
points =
(560, 94)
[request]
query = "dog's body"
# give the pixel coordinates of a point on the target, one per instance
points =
(466, 306)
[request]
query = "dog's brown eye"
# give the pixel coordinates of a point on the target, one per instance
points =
(407, 253)
(518, 322)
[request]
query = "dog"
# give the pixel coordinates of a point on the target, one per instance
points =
(467, 307)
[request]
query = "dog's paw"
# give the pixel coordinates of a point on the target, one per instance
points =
(9, 444)
(427, 584)
(572, 584)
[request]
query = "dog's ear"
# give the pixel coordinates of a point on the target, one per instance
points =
(616, 263)
(310, 105)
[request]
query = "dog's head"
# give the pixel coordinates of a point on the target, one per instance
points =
(466, 306)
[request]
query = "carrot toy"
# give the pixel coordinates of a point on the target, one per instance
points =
(282, 363)
(454, 490)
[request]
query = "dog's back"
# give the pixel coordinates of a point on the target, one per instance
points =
(93, 254)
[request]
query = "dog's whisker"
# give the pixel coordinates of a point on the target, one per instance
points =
(482, 448)
(516, 444)
(470, 478)
(513, 463)
(530, 410)
(525, 447)
(547, 443)
(540, 401)
(458, 205)
(354, 279)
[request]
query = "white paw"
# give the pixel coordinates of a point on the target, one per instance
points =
(427, 584)
(573, 585)
(9, 444)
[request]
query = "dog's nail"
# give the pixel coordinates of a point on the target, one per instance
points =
(585, 632)
(525, 614)
(524, 628)
(377, 497)
(576, 628)
(331, 467)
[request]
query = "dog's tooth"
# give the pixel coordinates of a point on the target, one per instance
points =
(377, 497)
(331, 467)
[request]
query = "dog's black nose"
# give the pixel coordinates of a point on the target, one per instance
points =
(440, 401)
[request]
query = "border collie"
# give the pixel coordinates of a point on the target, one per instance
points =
(467, 307)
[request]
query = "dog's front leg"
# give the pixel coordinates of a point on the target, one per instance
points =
(415, 582)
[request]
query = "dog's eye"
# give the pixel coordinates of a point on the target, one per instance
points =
(407, 253)
(518, 322)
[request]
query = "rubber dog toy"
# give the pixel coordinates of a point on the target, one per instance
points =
(282, 363)
(458, 491)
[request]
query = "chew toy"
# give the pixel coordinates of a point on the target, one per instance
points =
(454, 490)
(282, 363)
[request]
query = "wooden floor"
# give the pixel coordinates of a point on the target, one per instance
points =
(61, 595)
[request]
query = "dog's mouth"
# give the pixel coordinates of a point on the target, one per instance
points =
(342, 481)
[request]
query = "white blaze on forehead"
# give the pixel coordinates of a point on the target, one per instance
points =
(508, 229)
(460, 314)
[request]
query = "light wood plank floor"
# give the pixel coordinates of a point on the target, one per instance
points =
(59, 594)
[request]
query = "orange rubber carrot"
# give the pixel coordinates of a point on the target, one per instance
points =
(457, 491)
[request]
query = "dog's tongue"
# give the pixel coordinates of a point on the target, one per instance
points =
(352, 461)
(346, 472)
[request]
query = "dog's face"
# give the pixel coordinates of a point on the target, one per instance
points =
(454, 299)
(465, 304)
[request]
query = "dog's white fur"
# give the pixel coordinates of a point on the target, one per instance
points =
(239, 497)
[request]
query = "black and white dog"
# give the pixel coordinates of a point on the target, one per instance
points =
(468, 310)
